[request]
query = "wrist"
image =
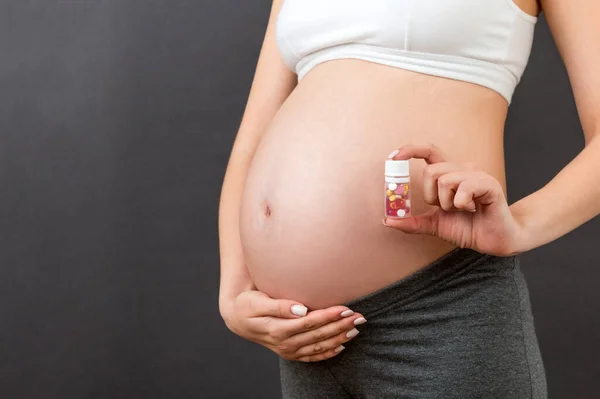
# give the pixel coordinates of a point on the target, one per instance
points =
(230, 289)
(522, 241)
(226, 306)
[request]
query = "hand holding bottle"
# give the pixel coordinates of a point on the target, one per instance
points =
(470, 205)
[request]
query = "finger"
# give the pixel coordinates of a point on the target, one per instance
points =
(431, 174)
(321, 356)
(327, 344)
(416, 224)
(279, 329)
(429, 152)
(317, 336)
(480, 188)
(448, 185)
(317, 319)
(260, 305)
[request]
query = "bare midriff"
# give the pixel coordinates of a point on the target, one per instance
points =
(311, 210)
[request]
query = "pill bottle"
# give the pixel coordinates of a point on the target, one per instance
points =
(397, 188)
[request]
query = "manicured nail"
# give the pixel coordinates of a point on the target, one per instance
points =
(299, 310)
(360, 320)
(352, 333)
(347, 313)
(393, 153)
(339, 348)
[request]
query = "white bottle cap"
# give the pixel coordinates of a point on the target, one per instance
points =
(396, 167)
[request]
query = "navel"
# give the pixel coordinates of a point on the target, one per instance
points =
(267, 210)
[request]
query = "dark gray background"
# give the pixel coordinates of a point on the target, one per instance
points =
(116, 122)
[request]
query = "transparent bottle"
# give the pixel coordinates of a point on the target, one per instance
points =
(397, 189)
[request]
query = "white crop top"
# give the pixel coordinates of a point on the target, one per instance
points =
(487, 42)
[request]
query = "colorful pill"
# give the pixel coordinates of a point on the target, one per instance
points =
(392, 198)
(401, 212)
(392, 186)
(389, 192)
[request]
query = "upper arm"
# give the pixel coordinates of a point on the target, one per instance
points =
(272, 83)
(576, 32)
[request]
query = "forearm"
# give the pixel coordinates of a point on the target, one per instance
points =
(272, 84)
(566, 202)
(234, 274)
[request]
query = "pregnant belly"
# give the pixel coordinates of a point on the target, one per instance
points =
(311, 210)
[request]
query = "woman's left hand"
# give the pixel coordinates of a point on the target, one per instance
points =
(470, 210)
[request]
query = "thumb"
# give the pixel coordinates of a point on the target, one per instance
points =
(416, 224)
(263, 305)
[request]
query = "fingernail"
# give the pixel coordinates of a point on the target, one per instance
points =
(299, 310)
(347, 313)
(352, 333)
(393, 153)
(339, 348)
(384, 220)
(360, 320)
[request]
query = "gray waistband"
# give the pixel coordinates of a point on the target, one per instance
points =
(452, 264)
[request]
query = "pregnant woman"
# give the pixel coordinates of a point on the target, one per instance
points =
(433, 305)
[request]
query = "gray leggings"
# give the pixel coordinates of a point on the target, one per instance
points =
(461, 327)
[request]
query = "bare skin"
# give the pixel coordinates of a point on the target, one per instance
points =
(306, 175)
(310, 221)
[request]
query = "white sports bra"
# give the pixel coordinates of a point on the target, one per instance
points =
(487, 42)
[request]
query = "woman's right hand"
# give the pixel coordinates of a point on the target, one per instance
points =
(270, 322)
